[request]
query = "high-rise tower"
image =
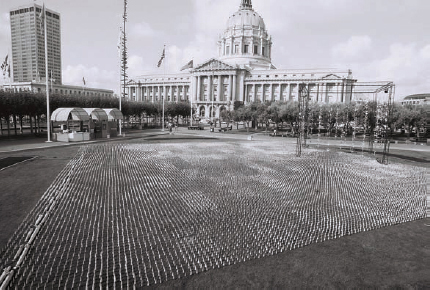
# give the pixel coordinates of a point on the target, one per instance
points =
(28, 45)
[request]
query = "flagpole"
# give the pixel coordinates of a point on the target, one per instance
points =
(164, 89)
(192, 95)
(212, 95)
(48, 121)
(8, 69)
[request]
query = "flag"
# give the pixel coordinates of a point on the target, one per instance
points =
(42, 18)
(162, 57)
(4, 64)
(83, 80)
(188, 65)
(5, 67)
(119, 45)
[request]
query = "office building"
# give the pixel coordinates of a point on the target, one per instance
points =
(28, 44)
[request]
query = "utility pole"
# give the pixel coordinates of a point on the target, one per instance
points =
(303, 98)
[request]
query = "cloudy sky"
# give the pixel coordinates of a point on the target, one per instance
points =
(379, 40)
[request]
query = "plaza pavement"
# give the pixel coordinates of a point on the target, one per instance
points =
(11, 145)
(199, 247)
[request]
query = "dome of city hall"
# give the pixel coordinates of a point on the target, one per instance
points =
(245, 17)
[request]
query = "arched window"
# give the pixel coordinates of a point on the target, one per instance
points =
(202, 111)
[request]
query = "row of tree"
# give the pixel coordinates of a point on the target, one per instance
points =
(366, 116)
(17, 106)
(32, 106)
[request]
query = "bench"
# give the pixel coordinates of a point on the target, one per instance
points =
(195, 127)
(225, 129)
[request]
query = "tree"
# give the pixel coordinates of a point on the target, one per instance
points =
(288, 112)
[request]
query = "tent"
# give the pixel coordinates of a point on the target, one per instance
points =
(66, 114)
(98, 125)
(113, 116)
(97, 114)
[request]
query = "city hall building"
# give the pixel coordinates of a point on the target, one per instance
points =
(243, 72)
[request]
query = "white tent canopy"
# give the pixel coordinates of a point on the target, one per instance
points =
(97, 114)
(114, 114)
(63, 114)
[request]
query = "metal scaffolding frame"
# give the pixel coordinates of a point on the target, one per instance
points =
(382, 93)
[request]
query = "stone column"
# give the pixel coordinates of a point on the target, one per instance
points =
(280, 92)
(193, 91)
(241, 87)
(261, 53)
(220, 88)
(141, 93)
(223, 47)
(263, 92)
(177, 94)
(198, 95)
(209, 96)
(246, 94)
(234, 88)
(318, 92)
(326, 99)
(241, 45)
(230, 85)
(290, 91)
(181, 97)
(271, 91)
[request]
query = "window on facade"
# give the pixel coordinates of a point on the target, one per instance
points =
(262, 52)
(246, 49)
(255, 49)
(236, 49)
(227, 50)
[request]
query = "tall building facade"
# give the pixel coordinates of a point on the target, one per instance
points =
(28, 44)
(243, 72)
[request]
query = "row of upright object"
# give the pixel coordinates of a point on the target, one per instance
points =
(83, 124)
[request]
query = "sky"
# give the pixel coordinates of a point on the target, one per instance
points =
(379, 40)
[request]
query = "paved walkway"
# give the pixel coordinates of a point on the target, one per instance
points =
(12, 145)
(9, 145)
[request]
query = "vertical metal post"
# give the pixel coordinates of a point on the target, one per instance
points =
(48, 121)
(388, 125)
